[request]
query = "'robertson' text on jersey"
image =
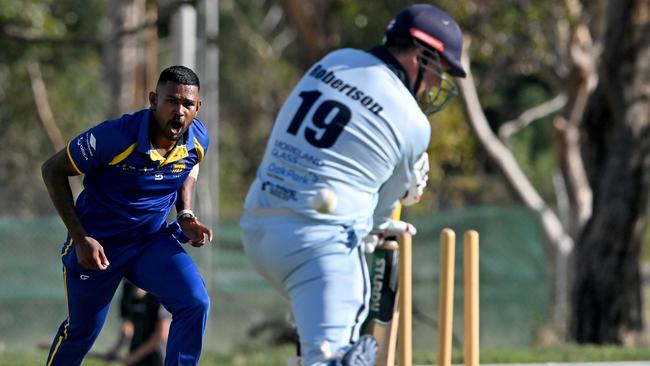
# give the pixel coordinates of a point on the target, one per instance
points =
(329, 78)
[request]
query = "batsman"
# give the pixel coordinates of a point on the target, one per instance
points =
(347, 146)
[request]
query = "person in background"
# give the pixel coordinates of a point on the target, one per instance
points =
(145, 327)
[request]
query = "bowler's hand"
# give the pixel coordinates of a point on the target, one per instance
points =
(198, 233)
(90, 254)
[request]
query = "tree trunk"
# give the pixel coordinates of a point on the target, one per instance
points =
(120, 56)
(606, 298)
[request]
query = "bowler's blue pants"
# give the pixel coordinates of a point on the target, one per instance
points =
(158, 265)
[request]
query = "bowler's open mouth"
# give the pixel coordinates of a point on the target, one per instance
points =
(175, 127)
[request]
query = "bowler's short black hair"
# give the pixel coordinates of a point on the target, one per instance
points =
(179, 74)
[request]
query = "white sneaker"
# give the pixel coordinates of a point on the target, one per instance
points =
(362, 353)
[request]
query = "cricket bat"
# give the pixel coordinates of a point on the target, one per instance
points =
(382, 320)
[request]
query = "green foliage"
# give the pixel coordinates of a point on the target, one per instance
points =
(451, 152)
(74, 102)
(72, 76)
(535, 159)
(255, 80)
(261, 58)
(32, 14)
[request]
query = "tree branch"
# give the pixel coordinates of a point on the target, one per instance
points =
(22, 35)
(46, 117)
(254, 40)
(558, 244)
(506, 162)
(529, 116)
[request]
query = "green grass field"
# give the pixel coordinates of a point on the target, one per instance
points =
(279, 355)
(512, 264)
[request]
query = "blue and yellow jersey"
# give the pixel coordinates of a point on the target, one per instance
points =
(129, 188)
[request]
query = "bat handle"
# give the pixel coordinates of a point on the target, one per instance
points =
(405, 300)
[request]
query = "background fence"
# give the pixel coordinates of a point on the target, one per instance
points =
(515, 288)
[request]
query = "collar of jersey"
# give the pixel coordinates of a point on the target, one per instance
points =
(180, 151)
(382, 53)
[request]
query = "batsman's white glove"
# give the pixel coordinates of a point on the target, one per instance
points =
(371, 242)
(396, 227)
(390, 228)
(420, 177)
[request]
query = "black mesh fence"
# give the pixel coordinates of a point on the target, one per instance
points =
(514, 283)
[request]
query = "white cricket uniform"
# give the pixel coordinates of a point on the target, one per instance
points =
(350, 125)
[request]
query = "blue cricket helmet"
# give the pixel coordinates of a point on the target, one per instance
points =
(430, 26)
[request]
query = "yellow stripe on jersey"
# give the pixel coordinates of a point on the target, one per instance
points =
(65, 329)
(123, 155)
(67, 247)
(65, 288)
(56, 348)
(177, 154)
(199, 149)
(67, 149)
(155, 155)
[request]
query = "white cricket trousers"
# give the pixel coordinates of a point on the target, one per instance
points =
(321, 269)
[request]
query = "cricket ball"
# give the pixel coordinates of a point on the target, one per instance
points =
(324, 201)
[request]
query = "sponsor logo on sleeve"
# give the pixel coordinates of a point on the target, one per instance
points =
(82, 150)
(92, 141)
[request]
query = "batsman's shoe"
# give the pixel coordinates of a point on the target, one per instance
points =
(362, 353)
